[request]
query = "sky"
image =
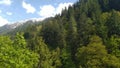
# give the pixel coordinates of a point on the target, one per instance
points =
(17, 10)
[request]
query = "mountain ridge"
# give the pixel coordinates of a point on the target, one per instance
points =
(9, 27)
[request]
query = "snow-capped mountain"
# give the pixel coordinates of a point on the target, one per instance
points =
(9, 27)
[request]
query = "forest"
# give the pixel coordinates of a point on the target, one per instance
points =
(86, 35)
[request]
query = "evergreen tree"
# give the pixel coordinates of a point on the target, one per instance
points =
(53, 34)
(101, 28)
(95, 55)
(113, 23)
(85, 29)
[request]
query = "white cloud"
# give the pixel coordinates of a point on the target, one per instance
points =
(29, 8)
(3, 21)
(36, 19)
(51, 11)
(5, 2)
(9, 13)
(62, 6)
(46, 11)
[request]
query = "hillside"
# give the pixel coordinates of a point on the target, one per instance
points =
(8, 27)
(86, 35)
(20, 26)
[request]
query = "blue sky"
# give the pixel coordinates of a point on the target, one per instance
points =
(17, 10)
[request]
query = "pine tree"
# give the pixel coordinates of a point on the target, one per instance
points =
(95, 55)
(113, 23)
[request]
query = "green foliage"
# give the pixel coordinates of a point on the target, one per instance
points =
(19, 41)
(94, 55)
(86, 35)
(53, 34)
(101, 27)
(66, 59)
(114, 4)
(113, 45)
(91, 55)
(85, 29)
(14, 54)
(44, 60)
(113, 23)
(47, 58)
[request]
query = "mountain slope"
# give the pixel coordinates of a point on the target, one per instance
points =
(86, 35)
(18, 26)
(8, 27)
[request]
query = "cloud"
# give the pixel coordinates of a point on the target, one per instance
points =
(5, 2)
(3, 21)
(9, 13)
(46, 11)
(51, 11)
(29, 8)
(62, 6)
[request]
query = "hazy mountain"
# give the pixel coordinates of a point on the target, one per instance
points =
(18, 25)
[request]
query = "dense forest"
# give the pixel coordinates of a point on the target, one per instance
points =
(86, 35)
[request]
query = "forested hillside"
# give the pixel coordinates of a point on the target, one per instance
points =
(86, 35)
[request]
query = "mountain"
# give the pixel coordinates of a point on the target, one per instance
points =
(86, 35)
(18, 25)
(9, 27)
